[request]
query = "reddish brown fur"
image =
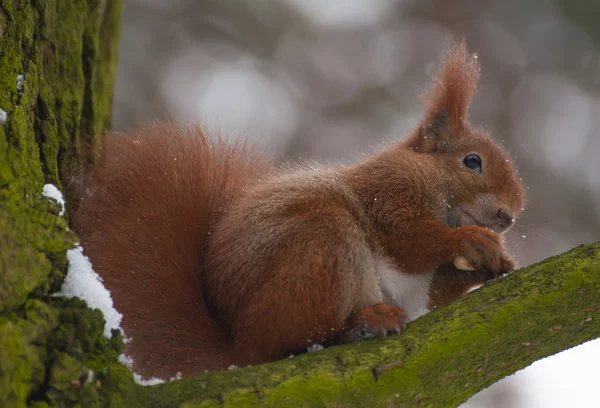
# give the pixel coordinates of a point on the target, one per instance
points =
(144, 219)
(449, 284)
(453, 88)
(293, 254)
(379, 318)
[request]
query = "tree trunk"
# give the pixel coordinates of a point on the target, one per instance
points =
(57, 64)
(57, 61)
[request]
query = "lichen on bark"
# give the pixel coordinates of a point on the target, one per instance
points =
(56, 58)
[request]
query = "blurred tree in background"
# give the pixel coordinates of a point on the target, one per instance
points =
(325, 80)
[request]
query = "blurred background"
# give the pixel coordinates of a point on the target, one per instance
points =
(330, 80)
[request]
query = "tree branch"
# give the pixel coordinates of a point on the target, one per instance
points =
(442, 358)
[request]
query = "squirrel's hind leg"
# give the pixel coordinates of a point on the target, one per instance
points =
(321, 274)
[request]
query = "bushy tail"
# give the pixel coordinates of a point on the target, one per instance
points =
(144, 215)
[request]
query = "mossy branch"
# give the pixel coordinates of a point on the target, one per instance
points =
(442, 358)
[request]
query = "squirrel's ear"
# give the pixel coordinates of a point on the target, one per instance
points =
(447, 99)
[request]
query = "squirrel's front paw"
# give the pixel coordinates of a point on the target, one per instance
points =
(483, 249)
(375, 320)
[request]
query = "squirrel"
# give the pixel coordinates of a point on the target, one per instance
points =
(217, 258)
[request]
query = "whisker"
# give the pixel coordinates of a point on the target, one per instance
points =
(515, 238)
(533, 231)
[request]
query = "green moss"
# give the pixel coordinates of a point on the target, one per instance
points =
(79, 354)
(14, 37)
(22, 361)
(47, 42)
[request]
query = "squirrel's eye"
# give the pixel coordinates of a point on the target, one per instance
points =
(473, 162)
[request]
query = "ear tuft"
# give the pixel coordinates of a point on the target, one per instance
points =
(448, 98)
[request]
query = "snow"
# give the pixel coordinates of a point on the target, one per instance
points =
(3, 116)
(20, 81)
(125, 360)
(128, 362)
(148, 383)
(567, 379)
(83, 282)
(474, 288)
(315, 347)
(50, 190)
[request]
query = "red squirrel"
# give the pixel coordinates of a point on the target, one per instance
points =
(216, 258)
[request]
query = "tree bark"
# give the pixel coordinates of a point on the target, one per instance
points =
(57, 61)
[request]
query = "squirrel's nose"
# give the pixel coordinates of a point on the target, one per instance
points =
(505, 218)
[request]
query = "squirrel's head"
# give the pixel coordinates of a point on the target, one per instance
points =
(481, 186)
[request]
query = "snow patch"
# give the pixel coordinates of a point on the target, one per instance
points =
(474, 288)
(50, 190)
(315, 347)
(147, 383)
(83, 282)
(128, 362)
(125, 360)
(20, 81)
(90, 377)
(420, 312)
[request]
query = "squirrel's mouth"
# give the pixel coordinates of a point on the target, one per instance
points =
(466, 217)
